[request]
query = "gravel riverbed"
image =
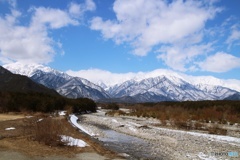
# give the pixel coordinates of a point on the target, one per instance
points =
(160, 143)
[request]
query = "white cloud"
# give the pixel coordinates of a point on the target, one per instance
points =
(32, 43)
(12, 3)
(89, 5)
(54, 18)
(77, 10)
(182, 57)
(234, 36)
(29, 43)
(146, 24)
(99, 76)
(220, 62)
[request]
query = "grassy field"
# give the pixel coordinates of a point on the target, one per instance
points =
(35, 135)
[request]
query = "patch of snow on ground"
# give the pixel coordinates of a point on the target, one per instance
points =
(132, 129)
(135, 124)
(40, 120)
(73, 142)
(62, 113)
(114, 120)
(228, 139)
(10, 128)
(99, 111)
(28, 116)
(74, 119)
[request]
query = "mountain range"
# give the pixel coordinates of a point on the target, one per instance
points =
(162, 86)
(71, 87)
(10, 82)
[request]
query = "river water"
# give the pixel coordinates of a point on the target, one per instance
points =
(133, 147)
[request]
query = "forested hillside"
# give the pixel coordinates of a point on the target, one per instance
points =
(19, 93)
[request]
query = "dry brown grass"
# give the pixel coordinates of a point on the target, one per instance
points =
(25, 134)
(115, 113)
(191, 115)
(49, 131)
(11, 116)
(215, 129)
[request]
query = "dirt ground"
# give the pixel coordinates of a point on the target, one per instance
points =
(20, 140)
(5, 117)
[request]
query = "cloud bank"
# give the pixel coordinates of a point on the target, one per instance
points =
(32, 43)
(175, 30)
(220, 62)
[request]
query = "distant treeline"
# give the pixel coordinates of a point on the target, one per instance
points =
(198, 104)
(39, 102)
(214, 111)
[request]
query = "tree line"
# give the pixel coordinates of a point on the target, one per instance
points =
(204, 111)
(40, 102)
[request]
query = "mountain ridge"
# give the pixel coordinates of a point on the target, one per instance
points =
(59, 81)
(10, 82)
(168, 90)
(167, 86)
(117, 78)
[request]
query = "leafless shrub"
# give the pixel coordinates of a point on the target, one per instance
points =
(182, 125)
(215, 129)
(115, 113)
(198, 126)
(49, 131)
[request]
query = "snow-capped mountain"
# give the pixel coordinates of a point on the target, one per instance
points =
(28, 69)
(163, 88)
(158, 85)
(72, 87)
(77, 86)
(107, 79)
(235, 96)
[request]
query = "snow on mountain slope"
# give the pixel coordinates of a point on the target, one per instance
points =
(161, 86)
(76, 87)
(50, 79)
(72, 87)
(108, 80)
(27, 69)
(212, 81)
(157, 85)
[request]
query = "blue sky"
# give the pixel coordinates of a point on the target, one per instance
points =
(122, 36)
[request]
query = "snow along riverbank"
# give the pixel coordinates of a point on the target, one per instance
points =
(73, 120)
(169, 143)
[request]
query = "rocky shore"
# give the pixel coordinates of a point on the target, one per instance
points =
(163, 143)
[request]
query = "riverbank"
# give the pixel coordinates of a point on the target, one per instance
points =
(112, 137)
(160, 143)
(17, 140)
